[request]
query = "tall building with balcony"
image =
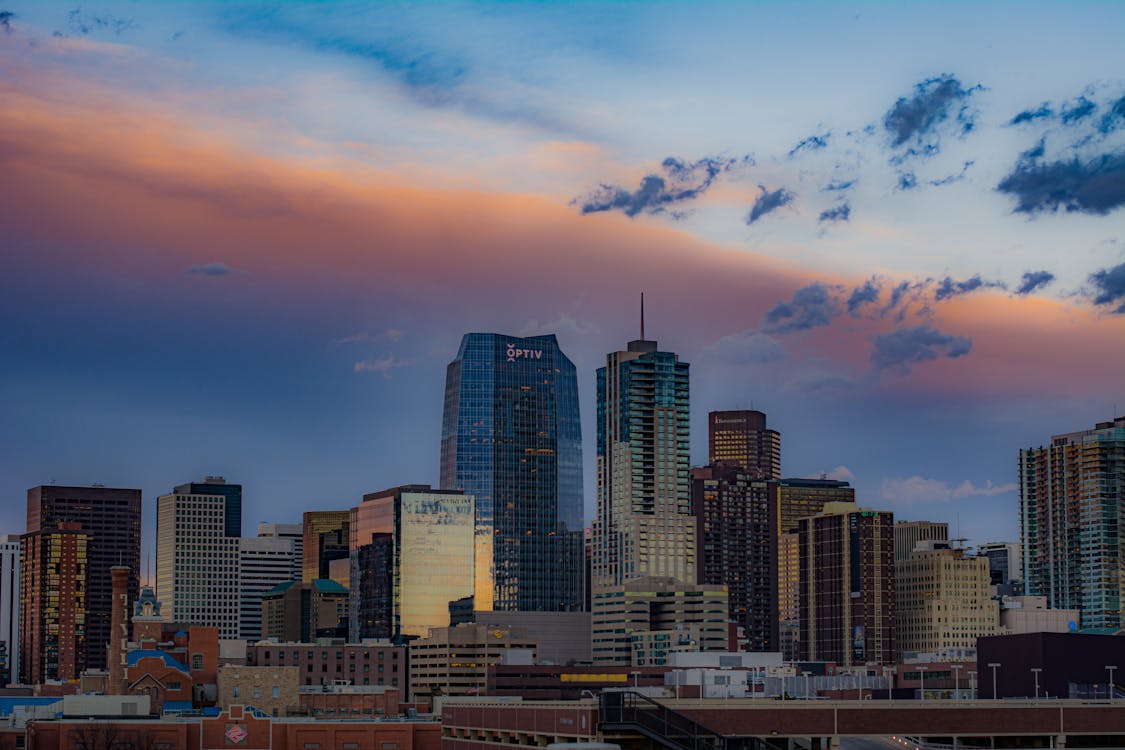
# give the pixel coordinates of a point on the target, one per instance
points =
(1071, 495)
(737, 546)
(742, 436)
(847, 586)
(54, 612)
(942, 600)
(111, 520)
(198, 529)
(511, 439)
(412, 554)
(644, 525)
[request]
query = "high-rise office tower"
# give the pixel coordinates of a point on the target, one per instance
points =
(325, 538)
(412, 554)
(847, 587)
(54, 611)
(295, 532)
(942, 600)
(742, 437)
(644, 525)
(511, 439)
(1004, 561)
(9, 609)
(736, 546)
(263, 563)
(197, 556)
(1071, 494)
(909, 533)
(790, 501)
(111, 519)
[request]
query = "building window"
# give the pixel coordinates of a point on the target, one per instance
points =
(257, 693)
(196, 662)
(234, 691)
(274, 692)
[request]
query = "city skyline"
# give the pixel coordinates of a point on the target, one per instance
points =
(245, 241)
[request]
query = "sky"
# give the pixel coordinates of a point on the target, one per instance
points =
(246, 238)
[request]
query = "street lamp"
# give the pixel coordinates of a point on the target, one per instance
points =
(636, 677)
(994, 665)
(890, 683)
(1035, 671)
(806, 674)
(973, 684)
(1110, 668)
(922, 681)
(957, 679)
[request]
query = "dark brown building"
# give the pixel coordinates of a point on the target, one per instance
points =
(53, 614)
(1070, 665)
(325, 663)
(742, 437)
(847, 586)
(325, 539)
(302, 612)
(736, 546)
(111, 520)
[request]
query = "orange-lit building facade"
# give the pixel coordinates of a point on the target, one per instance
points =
(53, 615)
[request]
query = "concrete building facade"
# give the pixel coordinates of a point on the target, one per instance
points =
(9, 609)
(455, 660)
(909, 533)
(263, 563)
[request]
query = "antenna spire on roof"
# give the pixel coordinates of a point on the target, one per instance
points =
(642, 316)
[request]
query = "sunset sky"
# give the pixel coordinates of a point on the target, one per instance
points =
(246, 239)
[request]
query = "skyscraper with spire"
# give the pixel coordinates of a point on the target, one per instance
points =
(644, 524)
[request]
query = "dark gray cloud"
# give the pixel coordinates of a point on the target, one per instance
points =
(947, 287)
(1114, 118)
(843, 212)
(1042, 112)
(1079, 109)
(769, 201)
(6, 17)
(863, 295)
(950, 179)
(933, 102)
(677, 182)
(812, 143)
(1033, 280)
(839, 185)
(907, 181)
(812, 306)
(912, 345)
(1093, 186)
(214, 268)
(1110, 286)
(82, 23)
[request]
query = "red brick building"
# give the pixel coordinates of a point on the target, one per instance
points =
(322, 664)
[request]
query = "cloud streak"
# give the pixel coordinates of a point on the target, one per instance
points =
(916, 489)
(908, 346)
(812, 306)
(917, 118)
(674, 183)
(1110, 286)
(1091, 186)
(768, 202)
(383, 365)
(213, 269)
(1033, 280)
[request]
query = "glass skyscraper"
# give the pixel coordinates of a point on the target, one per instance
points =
(511, 438)
(644, 525)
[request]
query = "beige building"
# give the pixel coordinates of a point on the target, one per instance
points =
(909, 533)
(943, 600)
(1029, 614)
(788, 589)
(273, 690)
(690, 617)
(455, 660)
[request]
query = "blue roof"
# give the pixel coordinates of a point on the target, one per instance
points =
(170, 706)
(144, 653)
(328, 586)
(281, 588)
(10, 703)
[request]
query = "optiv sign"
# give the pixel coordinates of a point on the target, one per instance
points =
(514, 353)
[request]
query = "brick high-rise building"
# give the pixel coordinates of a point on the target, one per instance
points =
(1071, 495)
(111, 520)
(644, 525)
(742, 437)
(736, 546)
(847, 588)
(54, 614)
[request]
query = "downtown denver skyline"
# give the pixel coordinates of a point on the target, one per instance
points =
(247, 239)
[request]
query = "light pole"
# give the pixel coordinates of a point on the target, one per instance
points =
(636, 677)
(1035, 671)
(994, 665)
(890, 683)
(922, 681)
(957, 679)
(1110, 668)
(806, 674)
(973, 684)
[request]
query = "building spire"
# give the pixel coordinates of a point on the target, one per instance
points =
(642, 316)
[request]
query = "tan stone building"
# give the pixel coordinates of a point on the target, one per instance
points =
(943, 600)
(273, 690)
(455, 660)
(627, 619)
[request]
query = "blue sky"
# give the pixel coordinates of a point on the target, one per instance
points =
(245, 238)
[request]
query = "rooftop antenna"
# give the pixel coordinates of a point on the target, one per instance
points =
(642, 316)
